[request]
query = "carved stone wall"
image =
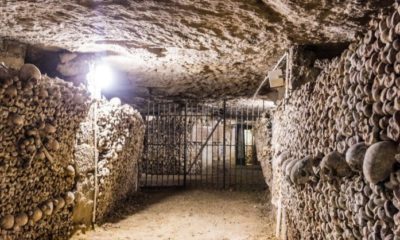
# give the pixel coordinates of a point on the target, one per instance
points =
(12, 53)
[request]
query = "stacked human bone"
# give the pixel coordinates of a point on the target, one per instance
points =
(84, 154)
(336, 143)
(263, 134)
(120, 146)
(38, 120)
(120, 133)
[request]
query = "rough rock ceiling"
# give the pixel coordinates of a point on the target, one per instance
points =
(193, 48)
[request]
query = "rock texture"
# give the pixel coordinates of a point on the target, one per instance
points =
(184, 48)
(39, 118)
(12, 53)
(355, 99)
(313, 20)
(119, 144)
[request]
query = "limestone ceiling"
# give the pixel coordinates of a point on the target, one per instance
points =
(192, 48)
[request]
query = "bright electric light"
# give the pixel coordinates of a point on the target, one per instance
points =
(103, 76)
(100, 77)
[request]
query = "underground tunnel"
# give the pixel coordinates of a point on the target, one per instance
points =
(199, 119)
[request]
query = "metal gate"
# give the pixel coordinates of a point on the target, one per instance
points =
(200, 144)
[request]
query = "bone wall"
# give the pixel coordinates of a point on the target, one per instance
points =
(120, 131)
(165, 138)
(335, 144)
(120, 149)
(262, 139)
(39, 118)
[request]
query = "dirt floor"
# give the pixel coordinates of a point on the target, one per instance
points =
(191, 214)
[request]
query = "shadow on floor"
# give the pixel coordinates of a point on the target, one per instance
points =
(140, 201)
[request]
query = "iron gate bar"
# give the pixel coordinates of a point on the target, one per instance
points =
(162, 137)
(254, 157)
(159, 125)
(246, 127)
(152, 135)
(207, 120)
(190, 119)
(185, 147)
(153, 127)
(197, 140)
(224, 145)
(171, 124)
(203, 145)
(241, 128)
(234, 162)
(212, 148)
(179, 148)
(201, 137)
(208, 175)
(166, 126)
(251, 147)
(230, 149)
(148, 141)
(174, 142)
(216, 145)
(194, 136)
(155, 137)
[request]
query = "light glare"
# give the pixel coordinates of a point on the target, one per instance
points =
(100, 77)
(103, 76)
